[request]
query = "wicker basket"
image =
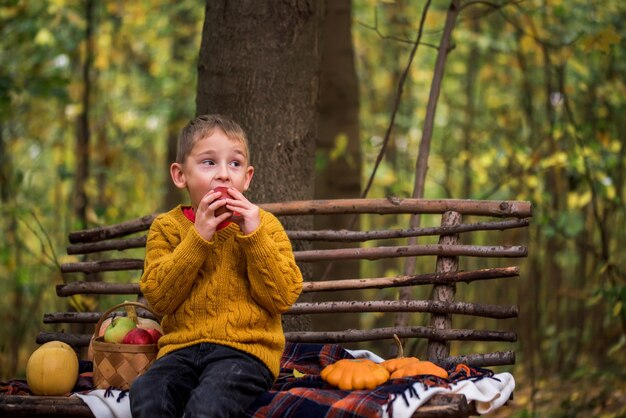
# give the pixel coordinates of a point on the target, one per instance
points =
(117, 365)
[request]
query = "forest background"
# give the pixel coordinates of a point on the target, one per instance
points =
(531, 107)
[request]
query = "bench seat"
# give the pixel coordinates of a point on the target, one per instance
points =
(463, 241)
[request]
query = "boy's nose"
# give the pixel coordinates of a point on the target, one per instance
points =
(223, 171)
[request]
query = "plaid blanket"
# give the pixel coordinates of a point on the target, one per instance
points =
(307, 395)
(300, 392)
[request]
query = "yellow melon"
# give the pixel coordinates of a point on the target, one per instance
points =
(52, 369)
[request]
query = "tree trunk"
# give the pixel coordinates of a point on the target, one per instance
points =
(82, 127)
(173, 195)
(438, 349)
(7, 191)
(6, 170)
(471, 82)
(397, 15)
(421, 165)
(338, 147)
(259, 65)
(338, 110)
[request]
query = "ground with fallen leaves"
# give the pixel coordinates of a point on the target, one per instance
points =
(592, 394)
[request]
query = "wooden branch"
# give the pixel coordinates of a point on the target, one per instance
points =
(361, 236)
(321, 235)
(75, 340)
(499, 358)
(84, 317)
(420, 279)
(353, 335)
(438, 405)
(463, 308)
(103, 288)
(305, 308)
(71, 317)
(97, 288)
(112, 231)
(502, 208)
(103, 265)
(116, 244)
(376, 253)
(48, 406)
(446, 405)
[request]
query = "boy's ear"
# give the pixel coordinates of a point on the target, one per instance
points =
(249, 174)
(178, 176)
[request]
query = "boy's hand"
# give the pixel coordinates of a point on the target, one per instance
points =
(206, 222)
(249, 218)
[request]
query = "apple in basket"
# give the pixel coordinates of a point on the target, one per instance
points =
(104, 326)
(138, 336)
(118, 328)
(145, 323)
(148, 324)
(155, 334)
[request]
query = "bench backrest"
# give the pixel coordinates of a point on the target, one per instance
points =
(449, 240)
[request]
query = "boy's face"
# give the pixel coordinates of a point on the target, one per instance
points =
(215, 160)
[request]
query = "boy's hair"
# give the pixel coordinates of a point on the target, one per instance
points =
(203, 126)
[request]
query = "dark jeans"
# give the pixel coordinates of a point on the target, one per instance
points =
(204, 380)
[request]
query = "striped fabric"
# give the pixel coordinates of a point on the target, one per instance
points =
(309, 396)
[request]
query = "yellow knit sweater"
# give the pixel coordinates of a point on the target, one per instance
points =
(230, 291)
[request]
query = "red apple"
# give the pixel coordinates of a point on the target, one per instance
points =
(137, 336)
(224, 191)
(155, 334)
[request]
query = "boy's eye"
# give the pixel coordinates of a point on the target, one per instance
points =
(208, 162)
(235, 163)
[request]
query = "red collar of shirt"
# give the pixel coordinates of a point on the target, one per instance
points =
(191, 215)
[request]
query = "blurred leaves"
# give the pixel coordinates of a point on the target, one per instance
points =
(531, 108)
(142, 73)
(601, 41)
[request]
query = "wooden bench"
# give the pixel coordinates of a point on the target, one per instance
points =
(462, 238)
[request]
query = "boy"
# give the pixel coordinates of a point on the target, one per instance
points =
(220, 282)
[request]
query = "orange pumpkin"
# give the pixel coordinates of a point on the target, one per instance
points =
(355, 374)
(400, 361)
(418, 368)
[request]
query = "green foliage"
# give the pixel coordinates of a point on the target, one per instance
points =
(141, 80)
(531, 108)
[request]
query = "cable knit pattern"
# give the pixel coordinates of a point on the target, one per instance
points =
(230, 291)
